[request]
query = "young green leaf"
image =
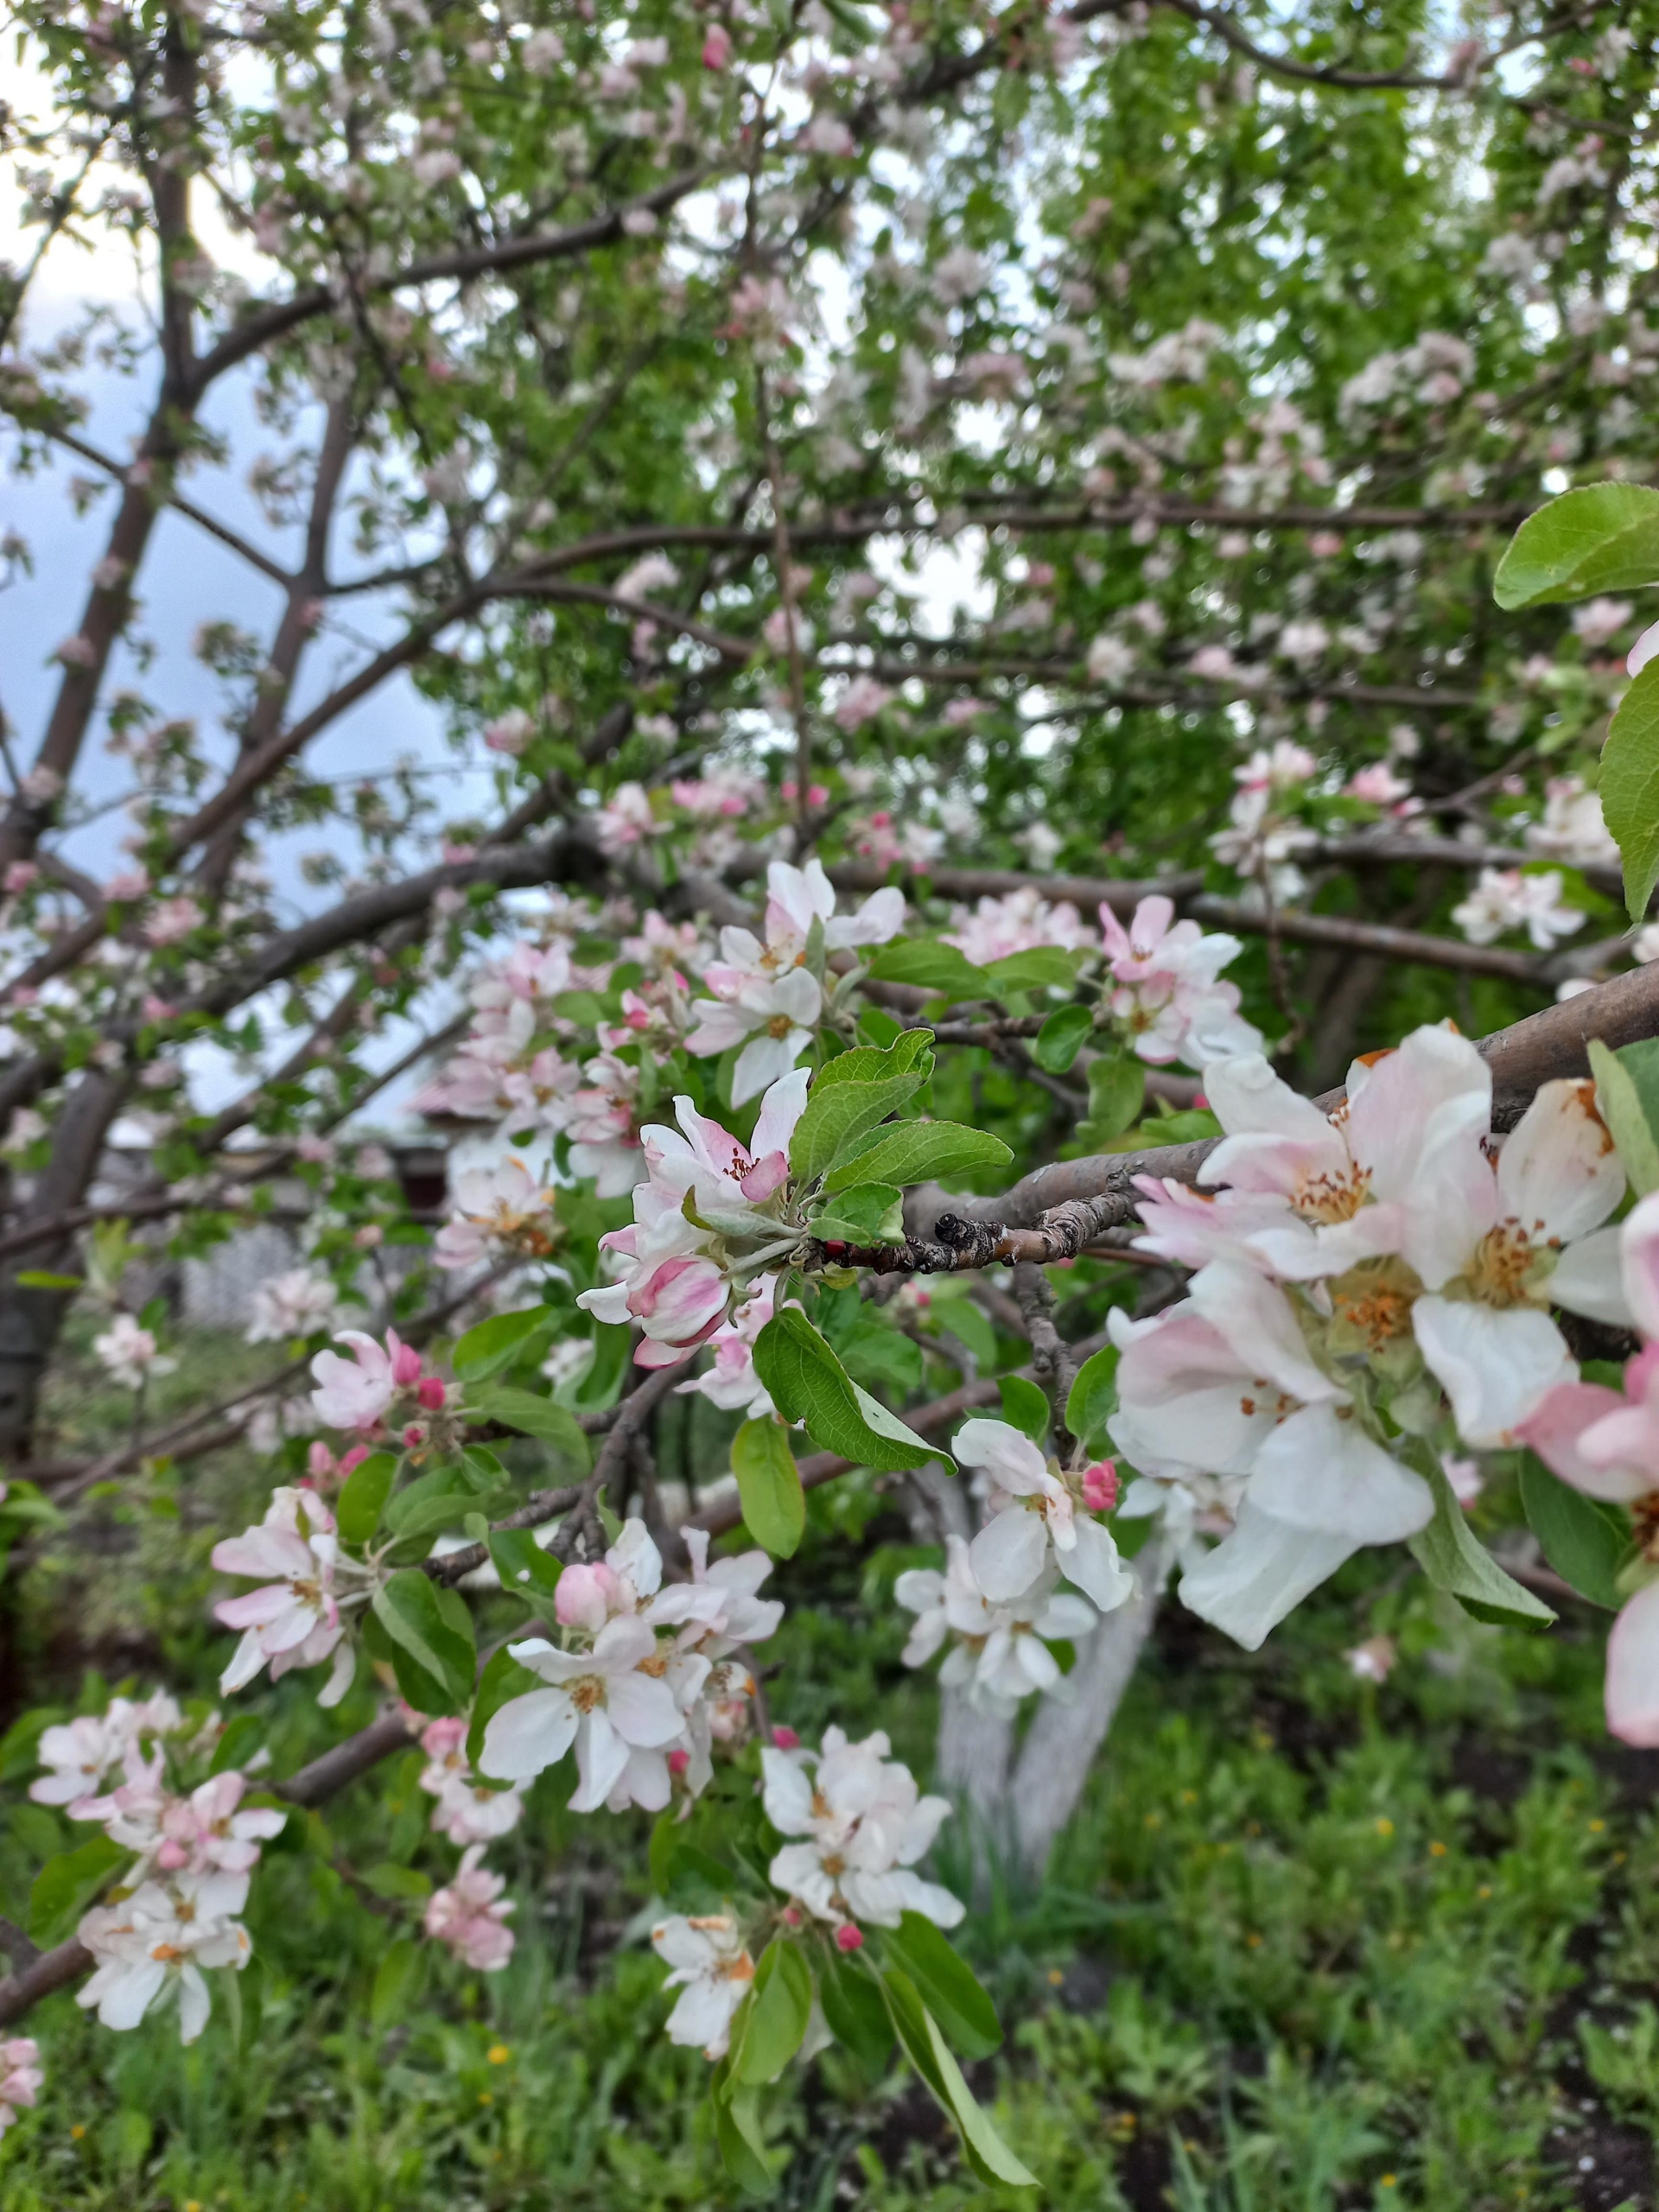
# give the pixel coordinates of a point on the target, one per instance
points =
(534, 1415)
(495, 1344)
(915, 1151)
(1025, 1407)
(863, 1213)
(946, 1983)
(1600, 537)
(929, 2053)
(363, 1500)
(854, 2011)
(1627, 1105)
(780, 2005)
(1453, 1560)
(840, 1110)
(1118, 1090)
(737, 2131)
(1093, 1398)
(927, 963)
(808, 1384)
(1583, 1541)
(769, 1485)
(67, 1884)
(524, 1568)
(1059, 1040)
(1629, 785)
(1042, 966)
(398, 1980)
(431, 1633)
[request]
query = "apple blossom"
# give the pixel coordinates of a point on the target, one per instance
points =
(294, 1619)
(468, 1915)
(1034, 1517)
(20, 2077)
(291, 1305)
(712, 1970)
(129, 1353)
(865, 1825)
(155, 1944)
(599, 1700)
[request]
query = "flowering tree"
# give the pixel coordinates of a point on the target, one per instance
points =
(975, 705)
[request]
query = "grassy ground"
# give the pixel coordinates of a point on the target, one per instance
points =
(1309, 1944)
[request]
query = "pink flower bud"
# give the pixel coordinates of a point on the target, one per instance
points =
(415, 1435)
(791, 1915)
(786, 1739)
(678, 1761)
(717, 48)
(320, 1463)
(405, 1361)
(172, 1854)
(354, 1457)
(585, 1596)
(848, 1938)
(1100, 1486)
(431, 1394)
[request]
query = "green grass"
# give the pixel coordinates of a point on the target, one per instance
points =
(1307, 1944)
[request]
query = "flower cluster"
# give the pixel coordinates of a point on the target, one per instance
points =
(768, 995)
(1371, 1290)
(383, 1390)
(858, 1827)
(708, 1222)
(1508, 899)
(194, 1852)
(641, 1684)
(1165, 993)
(20, 2077)
(297, 1616)
(999, 1598)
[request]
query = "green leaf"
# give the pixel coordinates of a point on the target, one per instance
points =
(495, 1344)
(361, 1502)
(1025, 1407)
(737, 2131)
(1117, 1090)
(1629, 785)
(947, 1986)
(1583, 1541)
(1452, 1558)
(599, 1385)
(43, 1279)
(873, 1351)
(855, 2014)
(1601, 538)
(398, 1980)
(850, 1094)
(503, 1679)
(1093, 1398)
(769, 1485)
(1627, 1095)
(928, 2052)
(1043, 967)
(239, 1741)
(406, 1883)
(808, 1384)
(916, 1152)
(779, 2006)
(523, 1566)
(434, 1654)
(67, 1885)
(440, 1500)
(927, 963)
(532, 1415)
(244, 1999)
(1059, 1040)
(864, 1213)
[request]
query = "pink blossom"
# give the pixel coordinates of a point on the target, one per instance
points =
(716, 47)
(355, 1393)
(468, 1916)
(20, 2076)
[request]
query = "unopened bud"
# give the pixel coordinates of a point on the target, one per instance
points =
(1100, 1486)
(431, 1394)
(785, 1739)
(678, 1761)
(848, 1938)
